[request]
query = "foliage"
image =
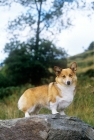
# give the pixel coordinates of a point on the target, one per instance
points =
(41, 20)
(89, 73)
(4, 82)
(8, 91)
(29, 62)
(25, 66)
(91, 46)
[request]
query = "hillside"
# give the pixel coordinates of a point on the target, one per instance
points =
(82, 106)
(85, 61)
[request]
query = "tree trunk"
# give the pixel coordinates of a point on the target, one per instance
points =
(38, 27)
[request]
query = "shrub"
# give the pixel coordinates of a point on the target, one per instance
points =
(89, 73)
(4, 82)
(4, 92)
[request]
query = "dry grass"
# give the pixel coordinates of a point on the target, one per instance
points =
(83, 105)
(83, 70)
(85, 61)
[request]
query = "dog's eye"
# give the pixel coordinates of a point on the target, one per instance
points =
(70, 75)
(64, 76)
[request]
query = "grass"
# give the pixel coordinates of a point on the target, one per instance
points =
(82, 106)
(8, 105)
(85, 61)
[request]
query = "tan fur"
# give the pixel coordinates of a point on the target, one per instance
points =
(32, 96)
(53, 92)
(39, 95)
(43, 95)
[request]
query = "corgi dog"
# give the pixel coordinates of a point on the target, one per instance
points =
(56, 96)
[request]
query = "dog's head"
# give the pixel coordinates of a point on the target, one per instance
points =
(66, 76)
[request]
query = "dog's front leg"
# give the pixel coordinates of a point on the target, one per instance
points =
(53, 107)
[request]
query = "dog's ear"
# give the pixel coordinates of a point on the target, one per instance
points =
(57, 70)
(73, 67)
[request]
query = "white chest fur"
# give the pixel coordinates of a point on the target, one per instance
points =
(67, 93)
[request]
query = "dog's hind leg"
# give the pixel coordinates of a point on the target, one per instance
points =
(33, 110)
(36, 109)
(27, 114)
(28, 111)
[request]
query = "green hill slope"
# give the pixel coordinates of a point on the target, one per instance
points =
(82, 105)
(85, 61)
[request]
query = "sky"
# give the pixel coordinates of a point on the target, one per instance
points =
(74, 39)
(78, 39)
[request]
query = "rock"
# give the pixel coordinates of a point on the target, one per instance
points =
(45, 127)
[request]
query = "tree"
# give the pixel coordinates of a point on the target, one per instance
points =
(91, 46)
(40, 17)
(44, 15)
(4, 81)
(41, 54)
(22, 66)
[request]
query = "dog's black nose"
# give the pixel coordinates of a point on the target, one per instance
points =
(68, 82)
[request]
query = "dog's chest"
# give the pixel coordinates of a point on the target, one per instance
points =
(67, 95)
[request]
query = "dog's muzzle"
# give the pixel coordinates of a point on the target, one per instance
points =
(68, 82)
